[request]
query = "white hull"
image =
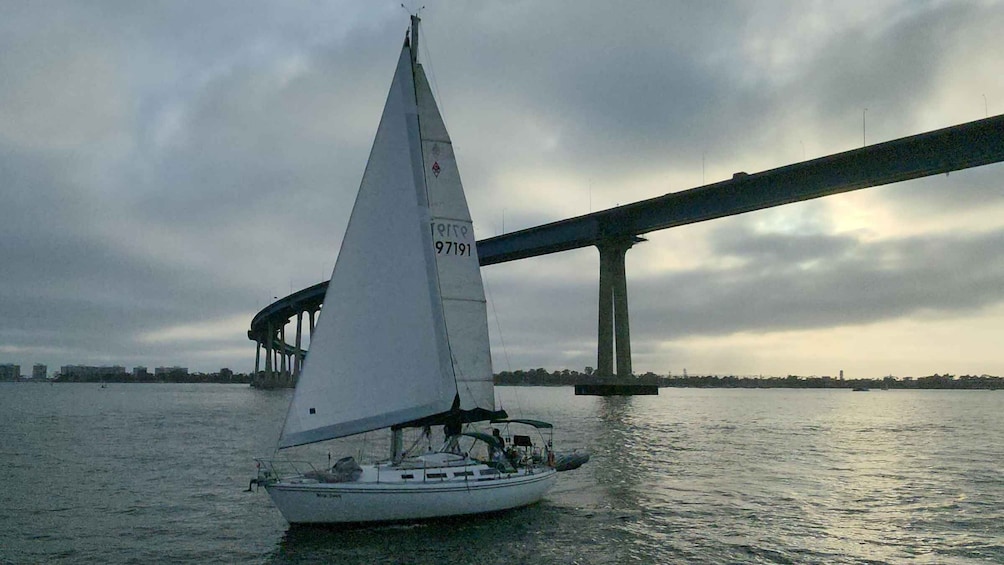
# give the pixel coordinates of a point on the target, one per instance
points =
(367, 500)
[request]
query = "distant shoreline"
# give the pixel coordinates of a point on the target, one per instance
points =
(540, 377)
(195, 378)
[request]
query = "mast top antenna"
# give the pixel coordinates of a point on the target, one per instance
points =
(415, 19)
(413, 13)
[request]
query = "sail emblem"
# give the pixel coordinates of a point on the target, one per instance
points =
(436, 168)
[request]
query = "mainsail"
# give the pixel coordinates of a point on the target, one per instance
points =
(378, 354)
(404, 331)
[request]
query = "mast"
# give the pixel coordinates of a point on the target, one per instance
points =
(414, 39)
(396, 434)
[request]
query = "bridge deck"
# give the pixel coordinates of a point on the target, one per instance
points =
(940, 151)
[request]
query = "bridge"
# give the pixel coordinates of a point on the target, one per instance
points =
(614, 231)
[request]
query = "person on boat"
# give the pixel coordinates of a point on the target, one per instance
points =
(513, 456)
(451, 431)
(452, 427)
(507, 456)
(498, 456)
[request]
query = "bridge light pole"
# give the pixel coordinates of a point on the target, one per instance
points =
(864, 121)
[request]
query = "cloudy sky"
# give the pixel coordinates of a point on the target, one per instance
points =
(167, 168)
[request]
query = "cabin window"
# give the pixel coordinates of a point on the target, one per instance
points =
(489, 471)
(436, 476)
(464, 474)
(408, 476)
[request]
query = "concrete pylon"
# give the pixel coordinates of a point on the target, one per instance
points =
(613, 328)
(269, 357)
(299, 355)
(283, 368)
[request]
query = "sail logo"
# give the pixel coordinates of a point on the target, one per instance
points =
(436, 169)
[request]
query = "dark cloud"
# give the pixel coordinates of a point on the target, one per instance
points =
(810, 281)
(69, 285)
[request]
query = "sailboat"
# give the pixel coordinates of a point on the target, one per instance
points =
(402, 344)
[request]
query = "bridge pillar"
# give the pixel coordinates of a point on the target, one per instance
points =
(298, 355)
(613, 328)
(269, 354)
(283, 368)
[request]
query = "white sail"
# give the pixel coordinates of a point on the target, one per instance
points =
(379, 355)
(456, 257)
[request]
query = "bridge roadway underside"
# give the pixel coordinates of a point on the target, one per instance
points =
(615, 230)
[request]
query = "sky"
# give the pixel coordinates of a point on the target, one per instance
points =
(168, 168)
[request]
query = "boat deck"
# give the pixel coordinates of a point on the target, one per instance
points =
(433, 467)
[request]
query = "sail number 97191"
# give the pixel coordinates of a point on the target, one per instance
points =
(453, 248)
(443, 230)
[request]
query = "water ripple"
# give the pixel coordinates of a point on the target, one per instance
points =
(156, 473)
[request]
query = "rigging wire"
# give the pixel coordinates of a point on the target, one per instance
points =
(505, 350)
(431, 75)
(498, 325)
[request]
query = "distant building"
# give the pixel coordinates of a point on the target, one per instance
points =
(10, 372)
(170, 372)
(39, 371)
(140, 373)
(90, 373)
(226, 374)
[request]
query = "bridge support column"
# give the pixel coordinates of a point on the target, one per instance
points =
(614, 329)
(269, 355)
(284, 368)
(299, 354)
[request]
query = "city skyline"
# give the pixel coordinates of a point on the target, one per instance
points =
(170, 169)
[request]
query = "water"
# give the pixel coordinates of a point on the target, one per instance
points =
(156, 473)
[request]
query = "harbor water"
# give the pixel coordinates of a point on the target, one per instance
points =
(146, 473)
